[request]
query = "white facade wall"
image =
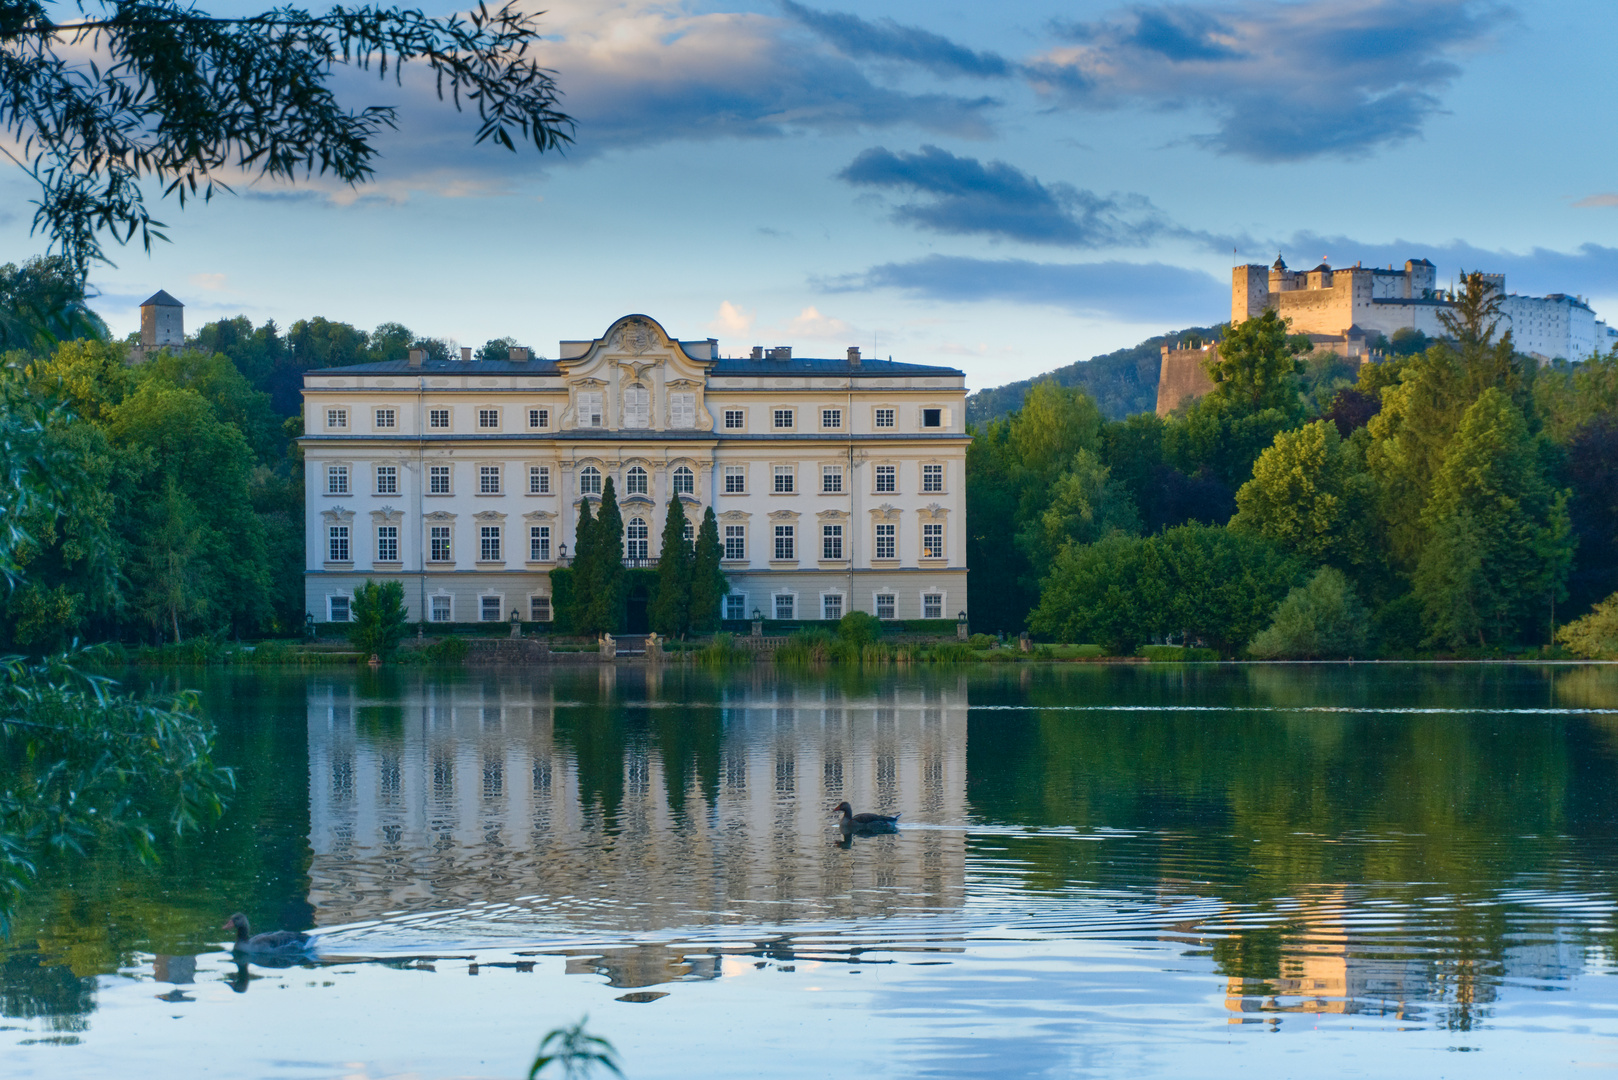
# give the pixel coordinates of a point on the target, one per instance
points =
(372, 452)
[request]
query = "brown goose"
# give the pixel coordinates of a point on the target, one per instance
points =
(872, 822)
(276, 941)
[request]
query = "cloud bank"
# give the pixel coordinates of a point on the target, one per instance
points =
(888, 40)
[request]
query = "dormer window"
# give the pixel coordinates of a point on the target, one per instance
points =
(637, 407)
(590, 408)
(683, 410)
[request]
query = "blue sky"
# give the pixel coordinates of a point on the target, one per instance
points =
(1002, 188)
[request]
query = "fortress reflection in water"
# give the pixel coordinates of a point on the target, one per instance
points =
(628, 812)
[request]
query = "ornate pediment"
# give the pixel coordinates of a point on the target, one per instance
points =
(784, 515)
(887, 511)
(735, 515)
(489, 516)
(636, 336)
(337, 515)
(539, 515)
(638, 369)
(832, 515)
(440, 515)
(386, 516)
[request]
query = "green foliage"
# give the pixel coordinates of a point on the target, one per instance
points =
(708, 584)
(670, 610)
(447, 650)
(42, 303)
(1500, 537)
(1084, 504)
(564, 599)
(599, 567)
(859, 629)
(575, 1051)
(1176, 654)
(1311, 496)
(377, 616)
(1256, 365)
(723, 650)
(1322, 619)
(497, 349)
(1595, 636)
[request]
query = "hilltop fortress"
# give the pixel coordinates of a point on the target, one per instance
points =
(1349, 310)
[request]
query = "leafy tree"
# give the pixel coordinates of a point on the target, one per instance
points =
(377, 617)
(172, 585)
(1257, 366)
(232, 397)
(671, 604)
(998, 587)
(497, 349)
(1595, 636)
(1351, 408)
(312, 344)
(1322, 619)
(391, 341)
(256, 352)
(859, 629)
(708, 584)
(1500, 538)
(1308, 495)
(1219, 586)
(1592, 474)
(1084, 505)
(1109, 593)
(179, 96)
(42, 303)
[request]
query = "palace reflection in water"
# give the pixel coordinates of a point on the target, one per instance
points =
(607, 814)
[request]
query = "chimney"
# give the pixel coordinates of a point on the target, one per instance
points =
(854, 355)
(466, 354)
(520, 353)
(781, 352)
(758, 352)
(417, 356)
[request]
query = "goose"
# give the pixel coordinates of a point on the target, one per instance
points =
(276, 941)
(873, 822)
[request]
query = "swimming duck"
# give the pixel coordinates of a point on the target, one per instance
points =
(276, 941)
(873, 822)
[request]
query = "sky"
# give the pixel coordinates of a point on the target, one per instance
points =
(1001, 188)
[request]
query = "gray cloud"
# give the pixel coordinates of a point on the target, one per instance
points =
(889, 40)
(1287, 81)
(1132, 292)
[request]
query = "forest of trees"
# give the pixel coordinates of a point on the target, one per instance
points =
(1455, 495)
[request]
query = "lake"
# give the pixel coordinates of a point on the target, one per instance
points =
(1378, 870)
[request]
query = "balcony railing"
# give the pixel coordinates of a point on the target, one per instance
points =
(640, 564)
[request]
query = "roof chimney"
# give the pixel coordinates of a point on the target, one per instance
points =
(466, 354)
(417, 356)
(520, 353)
(781, 352)
(854, 355)
(758, 352)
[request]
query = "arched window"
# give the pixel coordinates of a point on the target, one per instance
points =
(635, 482)
(685, 481)
(635, 539)
(590, 480)
(637, 406)
(689, 535)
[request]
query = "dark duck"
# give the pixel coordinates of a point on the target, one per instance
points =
(853, 822)
(282, 942)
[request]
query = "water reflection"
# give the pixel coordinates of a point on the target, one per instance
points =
(611, 816)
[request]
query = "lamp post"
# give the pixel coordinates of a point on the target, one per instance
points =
(960, 626)
(309, 624)
(516, 624)
(758, 623)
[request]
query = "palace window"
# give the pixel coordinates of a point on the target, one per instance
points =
(339, 608)
(784, 475)
(539, 480)
(590, 408)
(735, 607)
(489, 608)
(683, 410)
(336, 479)
(438, 479)
(539, 418)
(831, 419)
(785, 546)
(387, 480)
(635, 481)
(637, 406)
(539, 543)
(884, 605)
(685, 481)
(831, 541)
(783, 418)
(539, 609)
(886, 542)
(735, 479)
(636, 539)
(831, 607)
(438, 418)
(488, 479)
(735, 542)
(387, 543)
(884, 418)
(590, 480)
(932, 418)
(337, 418)
(932, 478)
(489, 418)
(385, 419)
(439, 609)
(831, 479)
(439, 535)
(337, 544)
(932, 541)
(887, 478)
(735, 419)
(489, 549)
(688, 533)
(932, 605)
(785, 606)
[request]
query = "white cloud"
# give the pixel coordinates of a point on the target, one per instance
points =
(1605, 198)
(811, 324)
(210, 282)
(731, 321)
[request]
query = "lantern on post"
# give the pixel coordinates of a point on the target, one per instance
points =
(758, 623)
(516, 623)
(960, 626)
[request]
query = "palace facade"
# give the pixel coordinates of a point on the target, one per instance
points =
(838, 484)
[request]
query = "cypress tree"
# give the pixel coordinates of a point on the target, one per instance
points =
(578, 615)
(603, 586)
(708, 585)
(671, 609)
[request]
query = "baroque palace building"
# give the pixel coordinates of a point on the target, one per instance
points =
(839, 485)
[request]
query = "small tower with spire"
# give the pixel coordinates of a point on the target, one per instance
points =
(162, 322)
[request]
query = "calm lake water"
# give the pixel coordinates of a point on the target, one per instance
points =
(1207, 871)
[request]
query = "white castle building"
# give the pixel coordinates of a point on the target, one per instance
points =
(839, 484)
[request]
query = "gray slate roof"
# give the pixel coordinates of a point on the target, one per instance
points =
(798, 365)
(161, 299)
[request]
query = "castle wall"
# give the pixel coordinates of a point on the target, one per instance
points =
(1184, 375)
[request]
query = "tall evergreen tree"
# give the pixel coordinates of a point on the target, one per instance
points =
(584, 546)
(708, 584)
(671, 608)
(601, 580)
